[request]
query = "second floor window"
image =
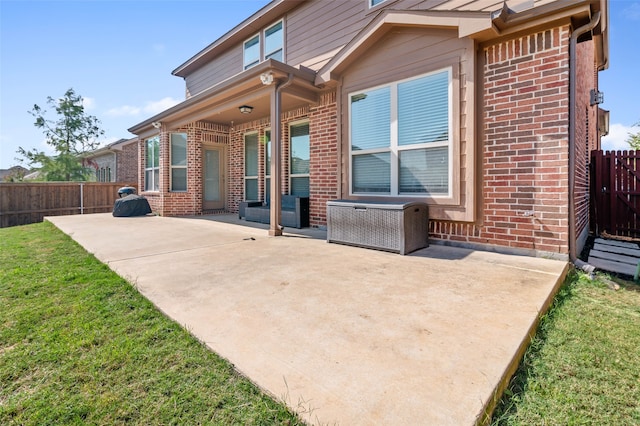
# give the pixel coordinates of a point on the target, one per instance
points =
(269, 44)
(274, 42)
(373, 3)
(252, 52)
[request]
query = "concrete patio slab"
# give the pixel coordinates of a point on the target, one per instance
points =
(344, 335)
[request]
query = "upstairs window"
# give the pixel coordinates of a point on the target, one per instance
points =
(373, 3)
(152, 164)
(274, 42)
(252, 52)
(268, 44)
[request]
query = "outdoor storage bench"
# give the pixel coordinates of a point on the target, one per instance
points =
(293, 214)
(396, 227)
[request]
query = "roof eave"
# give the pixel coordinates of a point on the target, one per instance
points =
(269, 13)
(278, 69)
(466, 23)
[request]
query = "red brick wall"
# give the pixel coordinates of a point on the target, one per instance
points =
(323, 184)
(127, 163)
(524, 146)
(586, 133)
(190, 202)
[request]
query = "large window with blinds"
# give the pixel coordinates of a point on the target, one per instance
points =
(401, 138)
(251, 166)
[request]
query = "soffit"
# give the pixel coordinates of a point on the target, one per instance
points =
(220, 103)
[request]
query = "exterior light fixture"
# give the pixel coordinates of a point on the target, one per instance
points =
(156, 124)
(596, 97)
(246, 109)
(266, 78)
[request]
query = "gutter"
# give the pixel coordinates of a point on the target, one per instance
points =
(572, 141)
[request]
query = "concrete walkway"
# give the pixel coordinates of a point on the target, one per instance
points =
(343, 335)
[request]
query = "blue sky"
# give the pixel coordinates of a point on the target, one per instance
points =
(119, 56)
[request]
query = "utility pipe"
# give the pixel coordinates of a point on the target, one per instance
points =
(595, 19)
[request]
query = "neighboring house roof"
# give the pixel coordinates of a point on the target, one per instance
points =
(13, 171)
(114, 146)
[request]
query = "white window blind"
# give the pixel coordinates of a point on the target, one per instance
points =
(400, 137)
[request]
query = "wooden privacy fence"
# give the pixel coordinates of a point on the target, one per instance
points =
(615, 189)
(22, 203)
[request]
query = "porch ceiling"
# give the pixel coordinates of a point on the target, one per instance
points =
(220, 103)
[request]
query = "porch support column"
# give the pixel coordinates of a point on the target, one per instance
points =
(276, 166)
(276, 157)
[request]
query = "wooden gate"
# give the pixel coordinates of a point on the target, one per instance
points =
(615, 189)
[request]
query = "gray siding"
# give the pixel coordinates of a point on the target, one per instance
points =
(403, 53)
(320, 27)
(226, 65)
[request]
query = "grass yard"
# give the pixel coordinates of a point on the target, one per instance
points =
(583, 367)
(79, 345)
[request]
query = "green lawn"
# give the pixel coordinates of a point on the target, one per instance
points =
(79, 345)
(583, 367)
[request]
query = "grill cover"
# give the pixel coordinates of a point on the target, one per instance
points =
(131, 205)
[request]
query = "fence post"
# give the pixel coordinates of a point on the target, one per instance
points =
(81, 198)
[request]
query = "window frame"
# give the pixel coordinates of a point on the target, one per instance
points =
(172, 166)
(246, 177)
(298, 175)
(372, 3)
(262, 53)
(267, 165)
(266, 54)
(154, 186)
(395, 148)
(245, 65)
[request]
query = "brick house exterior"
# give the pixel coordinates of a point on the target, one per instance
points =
(520, 128)
(116, 162)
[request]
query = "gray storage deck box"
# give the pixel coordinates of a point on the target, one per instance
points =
(397, 227)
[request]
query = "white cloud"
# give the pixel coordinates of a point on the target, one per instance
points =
(633, 12)
(88, 103)
(124, 110)
(617, 137)
(151, 108)
(159, 106)
(158, 48)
